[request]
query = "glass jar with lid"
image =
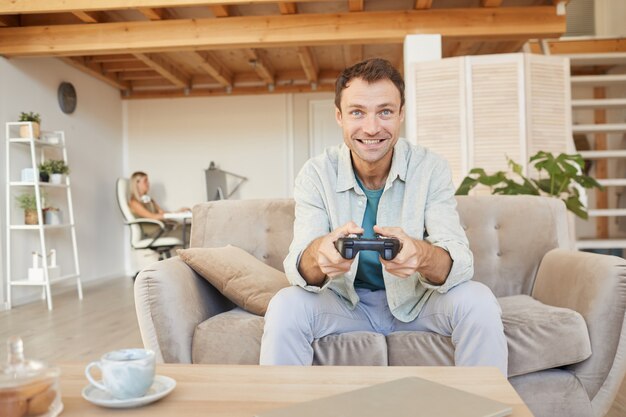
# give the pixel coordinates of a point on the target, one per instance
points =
(28, 387)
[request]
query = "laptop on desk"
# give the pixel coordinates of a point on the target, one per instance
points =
(406, 397)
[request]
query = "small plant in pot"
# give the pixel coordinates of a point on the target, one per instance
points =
(52, 216)
(54, 169)
(35, 119)
(28, 202)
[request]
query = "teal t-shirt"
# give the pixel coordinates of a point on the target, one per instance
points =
(369, 272)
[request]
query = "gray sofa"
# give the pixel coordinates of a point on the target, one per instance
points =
(563, 311)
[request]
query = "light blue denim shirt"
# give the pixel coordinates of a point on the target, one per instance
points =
(418, 197)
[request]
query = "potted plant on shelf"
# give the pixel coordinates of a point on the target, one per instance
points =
(52, 215)
(35, 119)
(559, 177)
(55, 169)
(28, 202)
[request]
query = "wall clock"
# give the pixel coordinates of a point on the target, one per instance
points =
(66, 94)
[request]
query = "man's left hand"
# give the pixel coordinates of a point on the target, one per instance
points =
(407, 261)
(420, 256)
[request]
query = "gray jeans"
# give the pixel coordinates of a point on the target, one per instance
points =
(469, 313)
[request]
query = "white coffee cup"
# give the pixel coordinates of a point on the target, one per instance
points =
(126, 373)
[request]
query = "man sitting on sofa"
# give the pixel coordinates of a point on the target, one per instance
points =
(376, 183)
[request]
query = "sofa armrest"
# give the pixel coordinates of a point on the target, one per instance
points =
(171, 300)
(595, 286)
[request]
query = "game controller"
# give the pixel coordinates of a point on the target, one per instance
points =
(349, 246)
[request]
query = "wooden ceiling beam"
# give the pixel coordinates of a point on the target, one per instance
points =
(491, 3)
(153, 14)
(309, 64)
(352, 54)
(65, 6)
(9, 20)
(506, 23)
(135, 65)
(112, 58)
(355, 5)
(586, 46)
(86, 17)
(204, 92)
(96, 71)
(423, 4)
(220, 11)
(165, 68)
(259, 61)
(141, 75)
(207, 62)
(287, 7)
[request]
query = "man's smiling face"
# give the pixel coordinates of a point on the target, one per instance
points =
(370, 117)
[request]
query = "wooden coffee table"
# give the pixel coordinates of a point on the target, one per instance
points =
(244, 390)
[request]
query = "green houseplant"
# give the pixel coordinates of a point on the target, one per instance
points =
(53, 169)
(35, 118)
(558, 177)
(28, 202)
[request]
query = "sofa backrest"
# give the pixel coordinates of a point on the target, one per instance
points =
(509, 235)
(263, 228)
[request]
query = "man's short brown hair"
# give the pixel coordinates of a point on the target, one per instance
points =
(370, 70)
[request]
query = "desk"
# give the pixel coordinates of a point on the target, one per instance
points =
(183, 217)
(244, 390)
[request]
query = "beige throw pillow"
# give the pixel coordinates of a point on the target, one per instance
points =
(241, 277)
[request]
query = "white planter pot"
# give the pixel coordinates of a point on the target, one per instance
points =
(53, 217)
(56, 178)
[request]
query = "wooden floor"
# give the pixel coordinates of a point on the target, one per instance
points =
(75, 330)
(104, 320)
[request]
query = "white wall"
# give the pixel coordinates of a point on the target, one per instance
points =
(94, 145)
(264, 138)
(609, 17)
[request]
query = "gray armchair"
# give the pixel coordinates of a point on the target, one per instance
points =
(563, 311)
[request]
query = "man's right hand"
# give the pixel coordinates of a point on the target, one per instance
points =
(321, 258)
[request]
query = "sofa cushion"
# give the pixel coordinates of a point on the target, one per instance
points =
(354, 348)
(241, 277)
(535, 333)
(233, 337)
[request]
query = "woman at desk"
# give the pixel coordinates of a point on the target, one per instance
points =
(144, 206)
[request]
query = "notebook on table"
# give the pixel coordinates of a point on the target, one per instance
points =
(406, 397)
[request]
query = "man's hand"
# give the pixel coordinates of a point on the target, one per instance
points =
(321, 258)
(329, 260)
(431, 261)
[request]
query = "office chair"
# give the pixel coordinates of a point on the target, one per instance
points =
(138, 238)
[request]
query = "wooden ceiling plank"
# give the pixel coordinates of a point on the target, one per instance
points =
(587, 46)
(207, 62)
(95, 71)
(355, 5)
(204, 92)
(86, 16)
(9, 20)
(220, 11)
(423, 4)
(112, 58)
(152, 14)
(141, 75)
(491, 3)
(287, 7)
(165, 68)
(309, 64)
(261, 64)
(505, 23)
(65, 6)
(123, 66)
(352, 54)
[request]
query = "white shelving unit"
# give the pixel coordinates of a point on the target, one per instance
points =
(35, 150)
(588, 104)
